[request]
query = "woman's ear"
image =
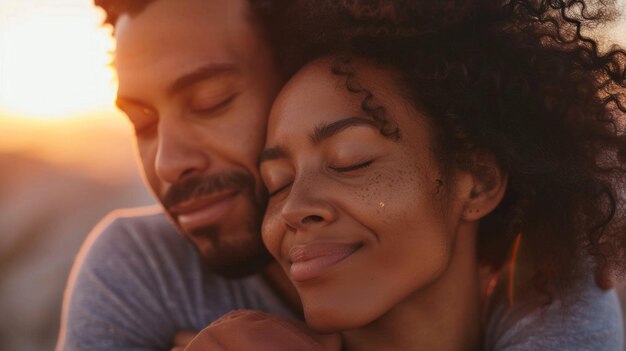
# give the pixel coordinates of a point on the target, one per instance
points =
(487, 185)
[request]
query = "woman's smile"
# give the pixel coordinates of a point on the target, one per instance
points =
(312, 260)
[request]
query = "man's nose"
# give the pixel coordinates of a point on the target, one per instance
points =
(180, 153)
(305, 207)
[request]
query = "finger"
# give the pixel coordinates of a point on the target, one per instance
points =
(183, 338)
(253, 330)
(330, 342)
(205, 341)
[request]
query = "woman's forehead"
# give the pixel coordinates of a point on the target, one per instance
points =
(322, 93)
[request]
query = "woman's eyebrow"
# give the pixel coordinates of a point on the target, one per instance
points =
(321, 132)
(327, 130)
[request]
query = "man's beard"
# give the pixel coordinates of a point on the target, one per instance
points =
(234, 259)
(236, 249)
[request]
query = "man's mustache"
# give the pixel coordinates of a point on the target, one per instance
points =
(199, 186)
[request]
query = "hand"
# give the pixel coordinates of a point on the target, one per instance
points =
(253, 330)
(182, 339)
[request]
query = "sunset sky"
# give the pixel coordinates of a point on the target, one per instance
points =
(57, 89)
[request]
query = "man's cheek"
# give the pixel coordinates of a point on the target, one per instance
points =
(147, 159)
(158, 188)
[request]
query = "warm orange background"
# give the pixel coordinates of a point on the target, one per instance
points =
(57, 88)
(66, 156)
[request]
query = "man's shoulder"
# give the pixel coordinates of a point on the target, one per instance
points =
(137, 281)
(133, 225)
(137, 237)
(125, 284)
(149, 219)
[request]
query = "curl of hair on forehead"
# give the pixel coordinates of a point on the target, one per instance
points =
(341, 66)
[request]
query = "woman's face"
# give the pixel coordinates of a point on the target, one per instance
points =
(359, 221)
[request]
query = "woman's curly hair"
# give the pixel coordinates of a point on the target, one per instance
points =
(516, 80)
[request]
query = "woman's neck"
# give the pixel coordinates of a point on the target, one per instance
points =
(443, 316)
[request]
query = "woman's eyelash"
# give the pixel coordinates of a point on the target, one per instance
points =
(352, 168)
(279, 190)
(336, 169)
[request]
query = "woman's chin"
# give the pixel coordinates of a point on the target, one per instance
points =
(327, 324)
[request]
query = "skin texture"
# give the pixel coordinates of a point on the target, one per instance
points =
(199, 139)
(403, 234)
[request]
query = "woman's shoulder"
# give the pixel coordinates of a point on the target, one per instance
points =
(591, 319)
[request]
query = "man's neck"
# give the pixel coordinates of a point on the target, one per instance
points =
(280, 283)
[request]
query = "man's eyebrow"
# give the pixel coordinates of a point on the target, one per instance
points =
(272, 153)
(325, 131)
(207, 71)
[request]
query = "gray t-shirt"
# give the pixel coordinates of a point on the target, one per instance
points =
(592, 320)
(137, 282)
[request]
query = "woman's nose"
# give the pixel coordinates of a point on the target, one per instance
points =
(306, 207)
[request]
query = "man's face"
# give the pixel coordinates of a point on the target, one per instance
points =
(196, 80)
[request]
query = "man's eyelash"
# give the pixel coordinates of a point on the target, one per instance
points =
(215, 107)
(279, 190)
(352, 168)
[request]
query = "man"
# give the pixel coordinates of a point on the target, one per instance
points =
(196, 79)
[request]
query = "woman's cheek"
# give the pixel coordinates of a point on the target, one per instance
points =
(389, 196)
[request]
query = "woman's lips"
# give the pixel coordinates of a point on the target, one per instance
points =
(312, 260)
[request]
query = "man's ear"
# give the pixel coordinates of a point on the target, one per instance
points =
(487, 186)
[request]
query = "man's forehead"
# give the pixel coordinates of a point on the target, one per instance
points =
(172, 38)
(168, 25)
(174, 10)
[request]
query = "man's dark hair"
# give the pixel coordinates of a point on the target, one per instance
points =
(515, 80)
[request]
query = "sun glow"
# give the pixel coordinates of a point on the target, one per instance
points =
(54, 62)
(57, 90)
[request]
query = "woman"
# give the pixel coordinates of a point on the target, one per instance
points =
(439, 171)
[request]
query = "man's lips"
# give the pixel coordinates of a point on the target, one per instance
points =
(204, 210)
(312, 260)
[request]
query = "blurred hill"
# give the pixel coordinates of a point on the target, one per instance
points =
(46, 210)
